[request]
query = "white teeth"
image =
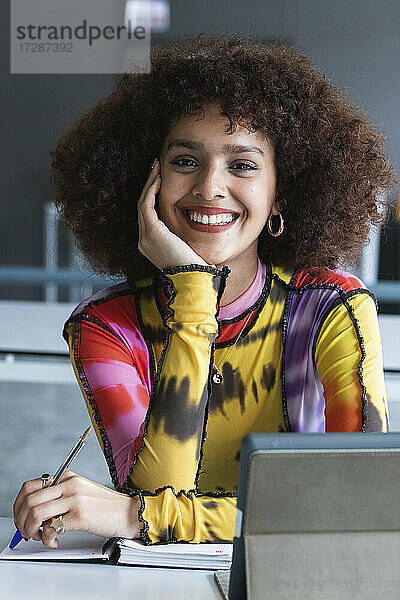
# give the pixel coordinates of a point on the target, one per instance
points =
(212, 219)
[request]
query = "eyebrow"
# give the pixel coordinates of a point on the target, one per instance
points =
(228, 148)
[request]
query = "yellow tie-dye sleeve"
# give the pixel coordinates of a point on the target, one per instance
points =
(177, 414)
(348, 357)
(188, 517)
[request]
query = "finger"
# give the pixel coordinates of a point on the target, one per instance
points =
(149, 197)
(49, 534)
(149, 181)
(27, 488)
(141, 223)
(38, 536)
(42, 512)
(32, 509)
(147, 207)
(49, 540)
(147, 215)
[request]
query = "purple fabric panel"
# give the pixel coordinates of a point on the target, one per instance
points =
(304, 392)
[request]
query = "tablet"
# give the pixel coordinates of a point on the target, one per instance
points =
(318, 517)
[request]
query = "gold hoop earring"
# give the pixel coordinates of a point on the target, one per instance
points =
(269, 225)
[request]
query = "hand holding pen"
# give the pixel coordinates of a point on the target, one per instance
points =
(74, 504)
(48, 481)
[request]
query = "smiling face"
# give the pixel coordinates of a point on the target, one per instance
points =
(213, 177)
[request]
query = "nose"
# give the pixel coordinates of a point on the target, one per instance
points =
(210, 183)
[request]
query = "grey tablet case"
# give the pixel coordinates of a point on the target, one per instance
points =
(321, 517)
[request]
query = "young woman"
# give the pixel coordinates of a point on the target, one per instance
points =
(234, 317)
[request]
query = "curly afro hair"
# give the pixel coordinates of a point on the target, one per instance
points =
(330, 164)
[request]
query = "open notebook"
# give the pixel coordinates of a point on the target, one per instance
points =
(81, 546)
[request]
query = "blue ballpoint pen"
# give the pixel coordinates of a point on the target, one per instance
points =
(64, 466)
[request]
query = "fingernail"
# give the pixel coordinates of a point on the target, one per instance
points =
(154, 162)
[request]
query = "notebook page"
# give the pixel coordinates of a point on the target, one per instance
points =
(73, 545)
(178, 549)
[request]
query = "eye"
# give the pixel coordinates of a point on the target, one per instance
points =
(182, 162)
(247, 166)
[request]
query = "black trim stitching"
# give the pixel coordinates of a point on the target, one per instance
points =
(205, 420)
(137, 493)
(285, 323)
(360, 364)
(144, 536)
(224, 275)
(193, 267)
(168, 287)
(133, 491)
(163, 284)
(89, 394)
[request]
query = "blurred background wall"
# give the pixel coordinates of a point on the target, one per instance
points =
(355, 42)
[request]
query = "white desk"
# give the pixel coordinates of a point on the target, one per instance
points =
(69, 581)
